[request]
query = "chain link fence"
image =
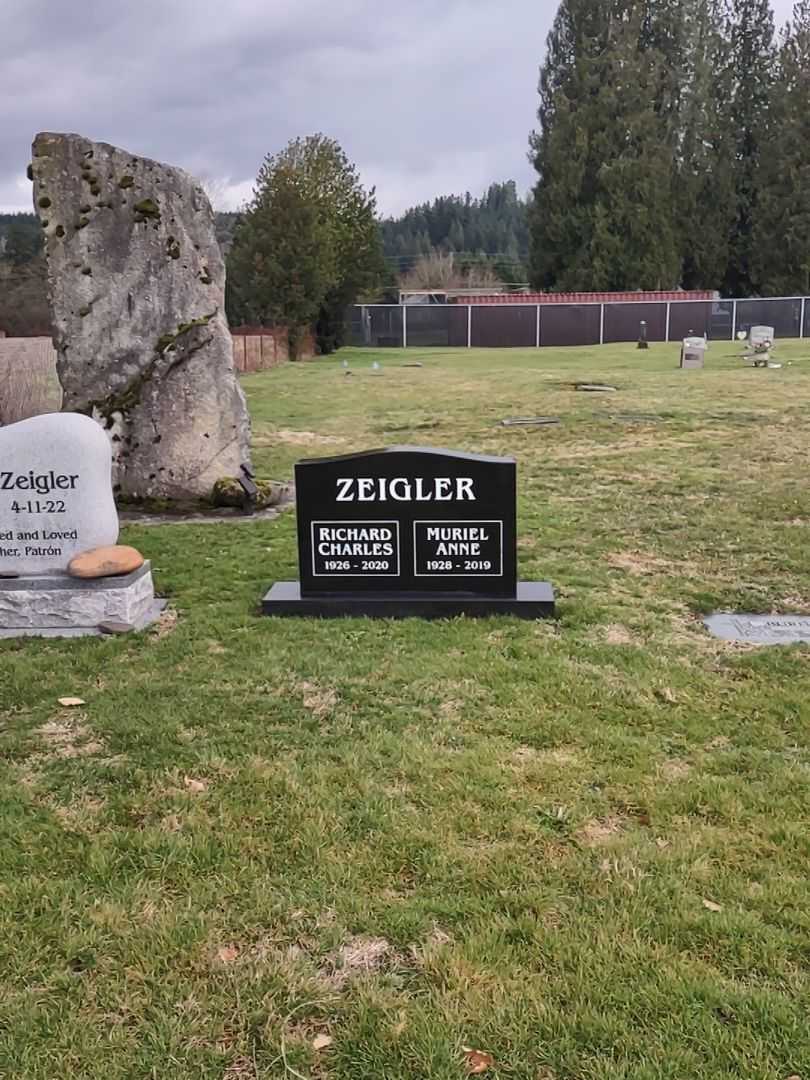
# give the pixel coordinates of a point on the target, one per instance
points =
(535, 325)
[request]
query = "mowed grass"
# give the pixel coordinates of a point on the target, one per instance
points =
(348, 850)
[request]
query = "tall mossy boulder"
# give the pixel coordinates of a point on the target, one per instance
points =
(136, 287)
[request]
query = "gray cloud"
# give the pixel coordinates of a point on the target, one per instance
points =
(426, 98)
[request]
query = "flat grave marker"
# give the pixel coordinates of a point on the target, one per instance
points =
(760, 629)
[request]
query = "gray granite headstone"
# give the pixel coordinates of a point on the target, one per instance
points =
(760, 629)
(56, 496)
(693, 352)
(758, 335)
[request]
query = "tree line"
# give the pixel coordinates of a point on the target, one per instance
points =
(673, 148)
(492, 231)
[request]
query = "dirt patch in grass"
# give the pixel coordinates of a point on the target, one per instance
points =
(719, 742)
(241, 1069)
(600, 831)
(80, 815)
(616, 634)
(639, 563)
(320, 700)
(796, 605)
(674, 769)
(358, 956)
(165, 623)
(67, 737)
(423, 952)
(556, 755)
(450, 710)
(298, 438)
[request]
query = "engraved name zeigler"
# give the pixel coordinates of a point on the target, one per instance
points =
(403, 489)
(41, 483)
(408, 531)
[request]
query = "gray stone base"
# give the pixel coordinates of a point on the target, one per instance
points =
(57, 602)
(148, 618)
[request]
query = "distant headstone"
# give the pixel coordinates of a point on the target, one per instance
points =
(760, 629)
(56, 496)
(408, 531)
(693, 352)
(761, 335)
(596, 388)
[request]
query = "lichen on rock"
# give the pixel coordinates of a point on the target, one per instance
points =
(142, 341)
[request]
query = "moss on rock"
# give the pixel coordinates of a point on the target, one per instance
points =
(227, 491)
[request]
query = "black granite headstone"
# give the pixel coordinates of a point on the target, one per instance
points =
(408, 531)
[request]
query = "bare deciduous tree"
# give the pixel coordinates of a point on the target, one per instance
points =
(440, 270)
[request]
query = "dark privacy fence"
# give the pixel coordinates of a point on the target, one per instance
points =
(534, 325)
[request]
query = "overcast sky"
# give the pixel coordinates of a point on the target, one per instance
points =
(427, 98)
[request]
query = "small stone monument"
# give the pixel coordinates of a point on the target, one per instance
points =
(693, 352)
(56, 503)
(758, 335)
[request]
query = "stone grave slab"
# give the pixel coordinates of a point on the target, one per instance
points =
(56, 497)
(408, 531)
(760, 629)
(693, 353)
(56, 502)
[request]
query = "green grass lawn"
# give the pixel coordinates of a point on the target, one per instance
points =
(579, 846)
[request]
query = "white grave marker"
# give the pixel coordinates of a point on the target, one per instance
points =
(56, 496)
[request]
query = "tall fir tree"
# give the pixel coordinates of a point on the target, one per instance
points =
(780, 258)
(603, 214)
(750, 30)
(705, 195)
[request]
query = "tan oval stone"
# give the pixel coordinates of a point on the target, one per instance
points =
(106, 562)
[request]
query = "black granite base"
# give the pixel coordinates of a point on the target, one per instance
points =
(534, 600)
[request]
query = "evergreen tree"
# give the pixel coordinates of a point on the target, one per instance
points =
(604, 205)
(279, 267)
(751, 33)
(24, 298)
(307, 245)
(20, 237)
(704, 201)
(781, 249)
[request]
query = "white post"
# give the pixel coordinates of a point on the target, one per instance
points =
(469, 326)
(733, 320)
(537, 333)
(801, 319)
(404, 326)
(669, 311)
(602, 325)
